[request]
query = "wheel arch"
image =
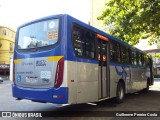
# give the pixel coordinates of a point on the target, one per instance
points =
(120, 92)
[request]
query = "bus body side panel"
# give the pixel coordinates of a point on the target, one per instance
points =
(135, 78)
(87, 86)
(71, 79)
(113, 81)
(71, 69)
(138, 79)
(118, 72)
(82, 82)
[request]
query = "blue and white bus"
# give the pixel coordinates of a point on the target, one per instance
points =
(61, 60)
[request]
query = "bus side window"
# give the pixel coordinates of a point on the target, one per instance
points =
(89, 44)
(93, 46)
(114, 52)
(83, 42)
(124, 54)
(129, 56)
(111, 51)
(143, 62)
(146, 61)
(133, 60)
(137, 58)
(77, 42)
(140, 59)
(117, 53)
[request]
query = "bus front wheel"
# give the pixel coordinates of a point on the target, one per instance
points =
(120, 93)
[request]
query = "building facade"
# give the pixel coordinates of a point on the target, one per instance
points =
(7, 39)
(153, 50)
(97, 6)
(156, 60)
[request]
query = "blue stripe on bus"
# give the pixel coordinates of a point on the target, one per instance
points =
(41, 95)
(83, 60)
(125, 65)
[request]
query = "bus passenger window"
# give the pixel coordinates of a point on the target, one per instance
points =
(137, 58)
(124, 54)
(143, 62)
(133, 57)
(140, 59)
(77, 42)
(115, 52)
(84, 42)
(111, 52)
(146, 61)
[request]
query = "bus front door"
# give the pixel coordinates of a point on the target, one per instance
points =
(104, 83)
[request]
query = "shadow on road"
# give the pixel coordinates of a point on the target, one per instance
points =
(133, 102)
(151, 94)
(139, 101)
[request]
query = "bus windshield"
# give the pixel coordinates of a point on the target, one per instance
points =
(39, 34)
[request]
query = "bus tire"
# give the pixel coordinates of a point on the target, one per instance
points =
(147, 88)
(120, 93)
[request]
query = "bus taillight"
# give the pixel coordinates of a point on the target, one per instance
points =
(59, 73)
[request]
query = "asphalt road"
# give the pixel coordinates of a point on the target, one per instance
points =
(137, 102)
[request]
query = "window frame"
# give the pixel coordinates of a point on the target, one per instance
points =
(115, 54)
(94, 41)
(4, 32)
(44, 48)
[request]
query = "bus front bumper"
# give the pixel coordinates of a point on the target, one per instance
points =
(51, 95)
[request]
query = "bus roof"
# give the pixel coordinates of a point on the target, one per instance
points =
(86, 26)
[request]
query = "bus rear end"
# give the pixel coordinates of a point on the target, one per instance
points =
(39, 62)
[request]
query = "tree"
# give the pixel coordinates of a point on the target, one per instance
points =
(133, 20)
(0, 44)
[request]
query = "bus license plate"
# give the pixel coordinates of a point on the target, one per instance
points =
(31, 79)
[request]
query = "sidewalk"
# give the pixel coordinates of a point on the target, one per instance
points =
(1, 79)
(6, 81)
(156, 85)
(4, 77)
(156, 79)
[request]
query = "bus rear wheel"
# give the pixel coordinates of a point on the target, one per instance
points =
(120, 93)
(147, 86)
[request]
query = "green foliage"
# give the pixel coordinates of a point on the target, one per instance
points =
(133, 19)
(156, 76)
(156, 56)
(0, 45)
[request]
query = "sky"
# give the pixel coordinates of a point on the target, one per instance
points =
(14, 13)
